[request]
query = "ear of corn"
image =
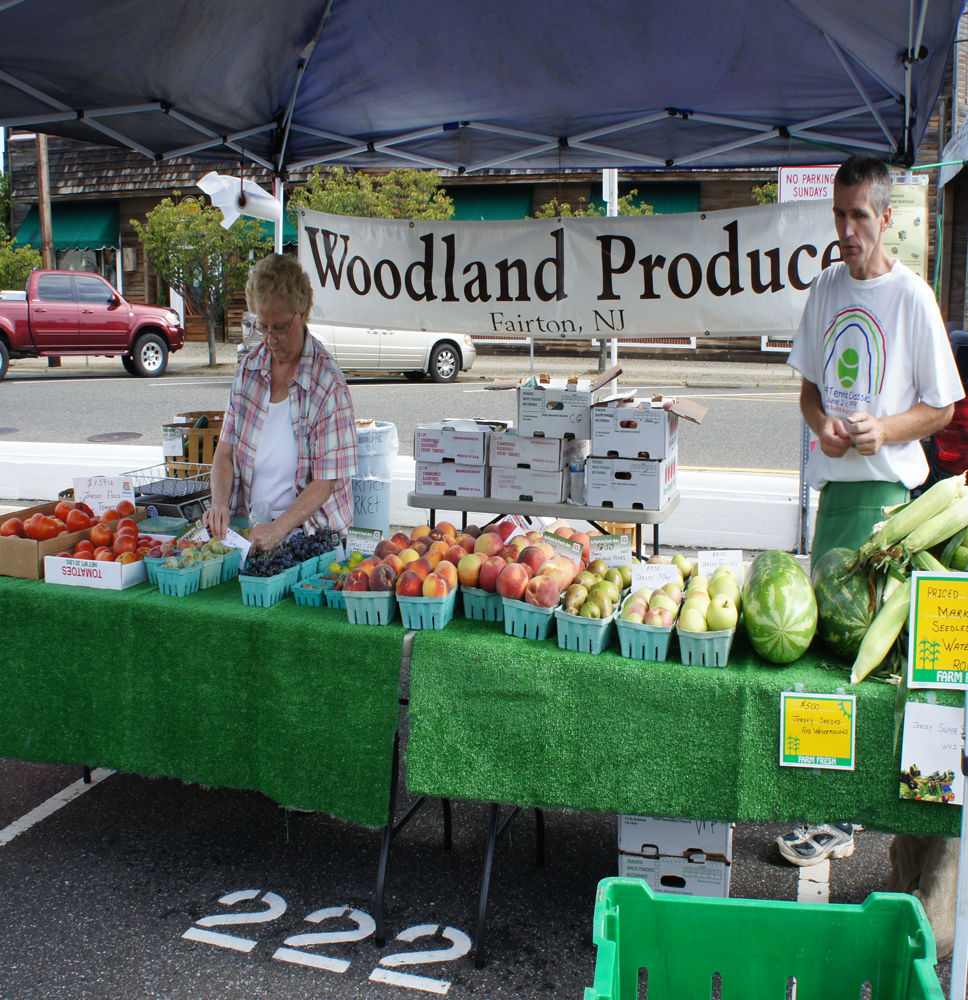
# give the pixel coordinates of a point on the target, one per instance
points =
(959, 559)
(929, 504)
(927, 563)
(939, 528)
(882, 632)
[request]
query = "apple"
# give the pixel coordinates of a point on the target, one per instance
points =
(513, 581)
(469, 569)
(726, 571)
(660, 599)
(504, 529)
(722, 585)
(699, 603)
(448, 571)
(534, 536)
(635, 612)
(657, 561)
(385, 547)
(383, 578)
(721, 613)
(490, 571)
(435, 586)
(489, 543)
(626, 572)
(409, 584)
(693, 620)
(699, 583)
(660, 617)
(542, 591)
(673, 591)
(643, 592)
(683, 564)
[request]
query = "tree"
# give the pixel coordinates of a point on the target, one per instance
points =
(200, 260)
(626, 206)
(16, 263)
(4, 205)
(765, 194)
(399, 194)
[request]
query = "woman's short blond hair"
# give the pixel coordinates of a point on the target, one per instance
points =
(279, 274)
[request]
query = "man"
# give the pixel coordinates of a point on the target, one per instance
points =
(878, 375)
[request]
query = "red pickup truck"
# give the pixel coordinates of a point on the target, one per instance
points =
(73, 312)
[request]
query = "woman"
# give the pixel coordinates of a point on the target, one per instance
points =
(288, 440)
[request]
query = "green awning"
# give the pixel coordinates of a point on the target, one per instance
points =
(82, 225)
(490, 202)
(290, 235)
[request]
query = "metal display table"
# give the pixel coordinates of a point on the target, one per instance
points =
(488, 505)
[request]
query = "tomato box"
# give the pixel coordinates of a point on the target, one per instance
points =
(88, 573)
(24, 558)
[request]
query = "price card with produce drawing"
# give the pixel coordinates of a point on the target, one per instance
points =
(938, 631)
(817, 730)
(564, 546)
(103, 493)
(613, 550)
(363, 540)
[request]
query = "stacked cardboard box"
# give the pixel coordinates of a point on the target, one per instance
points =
(451, 457)
(681, 856)
(634, 451)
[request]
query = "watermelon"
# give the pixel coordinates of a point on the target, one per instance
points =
(779, 607)
(845, 607)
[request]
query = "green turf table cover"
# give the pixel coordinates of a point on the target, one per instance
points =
(501, 719)
(292, 701)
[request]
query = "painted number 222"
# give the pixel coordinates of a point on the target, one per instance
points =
(290, 951)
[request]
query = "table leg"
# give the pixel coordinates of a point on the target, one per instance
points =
(655, 539)
(87, 775)
(381, 875)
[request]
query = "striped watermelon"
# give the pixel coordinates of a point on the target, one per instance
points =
(845, 607)
(779, 607)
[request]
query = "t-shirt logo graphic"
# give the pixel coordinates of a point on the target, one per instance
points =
(847, 368)
(853, 361)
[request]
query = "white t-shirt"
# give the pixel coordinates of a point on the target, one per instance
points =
(276, 459)
(879, 347)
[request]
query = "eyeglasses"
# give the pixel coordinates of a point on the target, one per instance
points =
(273, 331)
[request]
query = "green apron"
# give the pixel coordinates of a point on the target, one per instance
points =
(848, 512)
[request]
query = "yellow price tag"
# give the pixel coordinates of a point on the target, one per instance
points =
(817, 730)
(938, 630)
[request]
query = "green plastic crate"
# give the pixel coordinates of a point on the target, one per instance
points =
(369, 607)
(482, 605)
(427, 612)
(230, 564)
(705, 649)
(308, 567)
(263, 591)
(179, 582)
(644, 642)
(311, 592)
(755, 947)
(584, 635)
(335, 599)
(152, 564)
(211, 573)
(526, 621)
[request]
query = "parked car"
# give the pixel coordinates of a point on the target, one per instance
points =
(948, 449)
(74, 312)
(414, 353)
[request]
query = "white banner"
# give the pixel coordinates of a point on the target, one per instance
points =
(738, 272)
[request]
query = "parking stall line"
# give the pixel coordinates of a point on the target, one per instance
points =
(55, 802)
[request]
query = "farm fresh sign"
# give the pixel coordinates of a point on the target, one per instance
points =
(732, 272)
(938, 630)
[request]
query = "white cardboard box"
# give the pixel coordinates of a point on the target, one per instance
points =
(651, 836)
(100, 575)
(556, 408)
(630, 483)
(639, 428)
(448, 478)
(464, 442)
(542, 454)
(529, 484)
(694, 876)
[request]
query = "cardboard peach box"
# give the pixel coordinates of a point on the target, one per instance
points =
(24, 558)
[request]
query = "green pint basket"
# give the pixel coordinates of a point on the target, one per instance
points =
(482, 605)
(754, 949)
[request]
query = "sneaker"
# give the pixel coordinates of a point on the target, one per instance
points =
(809, 845)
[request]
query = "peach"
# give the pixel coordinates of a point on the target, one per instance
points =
(490, 571)
(466, 542)
(469, 569)
(454, 554)
(400, 540)
(368, 563)
(419, 532)
(534, 537)
(422, 567)
(357, 580)
(383, 578)
(580, 536)
(435, 586)
(409, 584)
(564, 531)
(440, 547)
(542, 591)
(513, 580)
(448, 571)
(385, 547)
(505, 529)
(433, 556)
(408, 556)
(420, 547)
(446, 528)
(534, 556)
(489, 543)
(473, 530)
(395, 562)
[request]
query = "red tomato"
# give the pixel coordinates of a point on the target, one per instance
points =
(44, 528)
(102, 548)
(13, 528)
(101, 534)
(64, 555)
(126, 522)
(124, 543)
(109, 515)
(145, 540)
(131, 532)
(106, 556)
(82, 547)
(62, 510)
(83, 507)
(77, 520)
(127, 557)
(126, 508)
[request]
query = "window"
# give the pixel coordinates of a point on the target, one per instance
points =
(91, 290)
(55, 288)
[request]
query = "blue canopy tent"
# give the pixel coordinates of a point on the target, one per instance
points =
(465, 87)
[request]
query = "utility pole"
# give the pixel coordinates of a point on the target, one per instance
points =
(43, 210)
